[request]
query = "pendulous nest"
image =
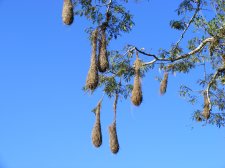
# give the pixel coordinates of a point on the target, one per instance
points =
(96, 131)
(92, 77)
(206, 110)
(103, 63)
(164, 82)
(114, 144)
(136, 97)
(67, 12)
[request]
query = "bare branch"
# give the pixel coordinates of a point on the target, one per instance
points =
(147, 54)
(196, 50)
(149, 63)
(179, 57)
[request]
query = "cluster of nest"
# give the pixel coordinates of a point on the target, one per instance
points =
(97, 133)
(207, 105)
(99, 62)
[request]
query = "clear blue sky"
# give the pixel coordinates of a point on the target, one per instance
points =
(46, 119)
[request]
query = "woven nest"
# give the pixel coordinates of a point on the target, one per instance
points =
(163, 85)
(92, 77)
(114, 144)
(96, 131)
(136, 97)
(67, 12)
(137, 65)
(97, 135)
(103, 63)
(206, 110)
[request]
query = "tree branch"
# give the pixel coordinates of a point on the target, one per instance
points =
(179, 57)
(147, 54)
(149, 63)
(221, 69)
(196, 50)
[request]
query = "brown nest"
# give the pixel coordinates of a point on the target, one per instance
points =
(136, 97)
(114, 144)
(163, 85)
(92, 77)
(206, 110)
(67, 12)
(103, 63)
(96, 131)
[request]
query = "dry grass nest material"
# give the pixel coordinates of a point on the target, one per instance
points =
(92, 77)
(114, 144)
(67, 12)
(96, 131)
(137, 97)
(164, 82)
(103, 63)
(206, 110)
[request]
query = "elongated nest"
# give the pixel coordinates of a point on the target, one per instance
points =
(163, 84)
(114, 144)
(67, 12)
(206, 110)
(96, 131)
(97, 134)
(137, 65)
(136, 97)
(92, 77)
(103, 63)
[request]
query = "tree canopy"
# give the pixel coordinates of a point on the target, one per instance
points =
(118, 74)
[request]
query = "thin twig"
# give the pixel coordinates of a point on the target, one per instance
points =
(115, 106)
(188, 25)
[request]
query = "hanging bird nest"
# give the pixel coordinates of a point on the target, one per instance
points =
(163, 84)
(137, 65)
(96, 131)
(103, 63)
(92, 77)
(114, 144)
(136, 97)
(67, 12)
(206, 110)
